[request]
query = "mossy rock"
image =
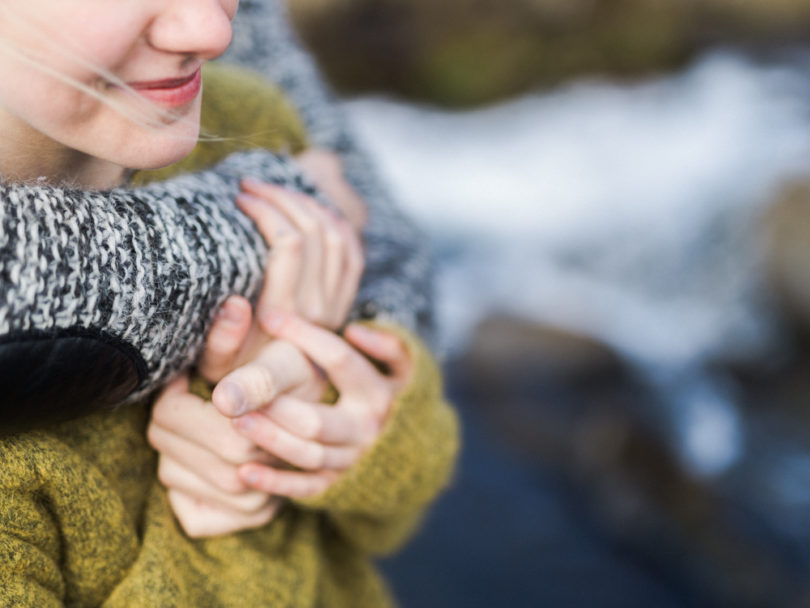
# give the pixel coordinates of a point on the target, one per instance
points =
(465, 52)
(786, 238)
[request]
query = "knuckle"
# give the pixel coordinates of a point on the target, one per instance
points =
(267, 436)
(261, 501)
(154, 436)
(220, 345)
(232, 484)
(387, 394)
(192, 526)
(340, 362)
(314, 311)
(229, 482)
(310, 225)
(355, 265)
(164, 473)
(334, 242)
(234, 448)
(314, 457)
(251, 502)
(261, 381)
(265, 516)
(317, 486)
(291, 242)
(311, 426)
(159, 411)
(390, 345)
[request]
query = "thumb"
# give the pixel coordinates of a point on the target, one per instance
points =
(280, 368)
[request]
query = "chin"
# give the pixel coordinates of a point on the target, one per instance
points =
(154, 149)
(163, 154)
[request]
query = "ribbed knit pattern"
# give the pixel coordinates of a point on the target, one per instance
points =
(84, 522)
(151, 266)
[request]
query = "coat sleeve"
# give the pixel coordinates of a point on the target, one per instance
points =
(379, 501)
(398, 281)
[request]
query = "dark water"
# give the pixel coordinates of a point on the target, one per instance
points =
(508, 533)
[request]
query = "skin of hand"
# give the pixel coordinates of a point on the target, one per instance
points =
(315, 266)
(325, 168)
(320, 440)
(224, 475)
(314, 269)
(201, 451)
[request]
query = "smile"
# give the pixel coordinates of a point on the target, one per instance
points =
(171, 92)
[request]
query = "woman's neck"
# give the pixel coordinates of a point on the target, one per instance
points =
(28, 155)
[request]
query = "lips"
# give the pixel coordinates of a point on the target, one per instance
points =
(170, 92)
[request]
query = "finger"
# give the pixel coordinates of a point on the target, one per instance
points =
(292, 484)
(286, 253)
(225, 339)
(187, 417)
(178, 386)
(272, 224)
(303, 453)
(325, 168)
(335, 249)
(177, 477)
(321, 286)
(199, 519)
(345, 291)
(306, 243)
(318, 422)
(350, 203)
(293, 205)
(383, 346)
(278, 369)
(348, 370)
(207, 465)
(284, 200)
(315, 226)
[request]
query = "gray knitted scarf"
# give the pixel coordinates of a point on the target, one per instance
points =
(142, 271)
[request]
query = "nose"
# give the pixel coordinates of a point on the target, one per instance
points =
(193, 27)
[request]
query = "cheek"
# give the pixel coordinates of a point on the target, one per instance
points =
(47, 104)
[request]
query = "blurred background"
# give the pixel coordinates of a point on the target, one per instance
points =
(618, 193)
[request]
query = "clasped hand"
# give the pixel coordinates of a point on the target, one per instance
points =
(230, 464)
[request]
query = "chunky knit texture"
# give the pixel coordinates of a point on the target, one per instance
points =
(131, 264)
(129, 259)
(84, 521)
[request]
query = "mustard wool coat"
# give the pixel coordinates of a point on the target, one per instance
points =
(84, 521)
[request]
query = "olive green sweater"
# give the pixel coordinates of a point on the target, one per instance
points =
(84, 521)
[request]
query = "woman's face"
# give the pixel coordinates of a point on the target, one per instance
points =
(155, 47)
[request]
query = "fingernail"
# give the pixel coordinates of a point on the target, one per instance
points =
(274, 321)
(333, 214)
(230, 313)
(252, 478)
(236, 397)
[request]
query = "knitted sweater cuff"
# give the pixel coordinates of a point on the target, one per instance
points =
(414, 455)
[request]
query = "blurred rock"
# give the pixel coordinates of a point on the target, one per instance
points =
(571, 405)
(464, 52)
(786, 239)
(504, 344)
